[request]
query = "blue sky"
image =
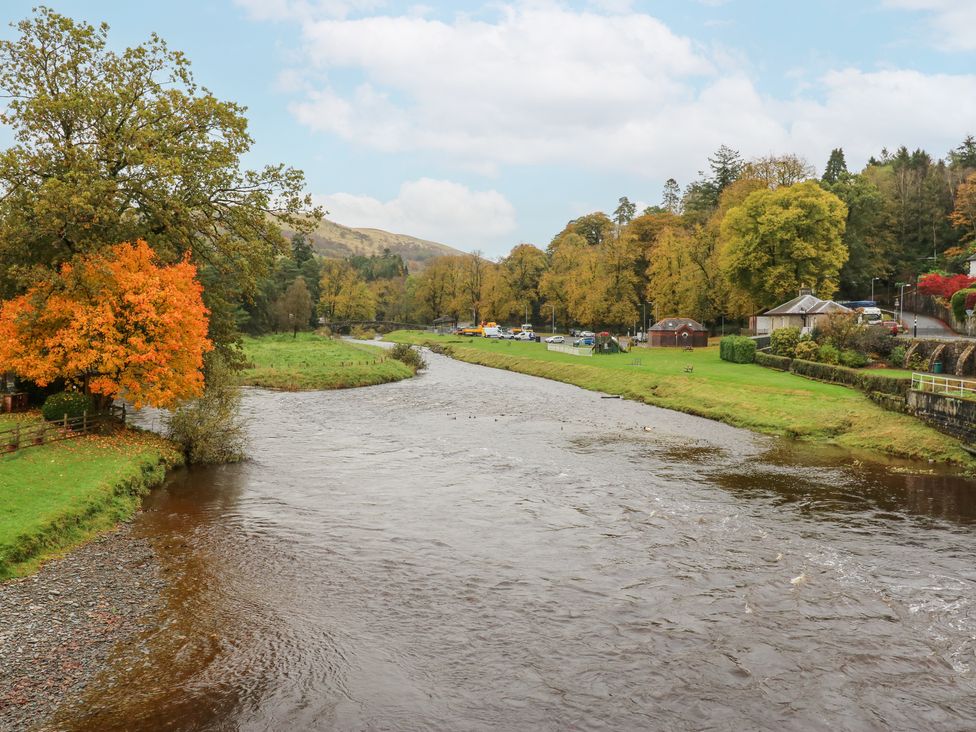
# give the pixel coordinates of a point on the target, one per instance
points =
(482, 125)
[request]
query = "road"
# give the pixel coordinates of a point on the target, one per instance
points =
(928, 327)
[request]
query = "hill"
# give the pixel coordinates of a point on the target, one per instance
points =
(335, 240)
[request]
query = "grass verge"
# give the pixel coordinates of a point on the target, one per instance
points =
(312, 362)
(743, 395)
(56, 496)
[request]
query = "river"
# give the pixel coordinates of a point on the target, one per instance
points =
(475, 549)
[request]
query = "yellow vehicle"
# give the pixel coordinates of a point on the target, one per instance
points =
(488, 329)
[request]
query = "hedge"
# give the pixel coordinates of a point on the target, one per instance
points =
(773, 362)
(861, 380)
(72, 404)
(737, 349)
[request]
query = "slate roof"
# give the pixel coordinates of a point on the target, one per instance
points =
(807, 305)
(672, 324)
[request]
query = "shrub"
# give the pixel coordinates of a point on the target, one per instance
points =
(737, 349)
(917, 362)
(806, 350)
(840, 330)
(853, 359)
(783, 342)
(876, 341)
(210, 429)
(409, 355)
(958, 302)
(773, 362)
(828, 354)
(363, 334)
(71, 403)
(897, 357)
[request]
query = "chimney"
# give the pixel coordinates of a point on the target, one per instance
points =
(805, 291)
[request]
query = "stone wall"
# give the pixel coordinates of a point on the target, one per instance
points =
(958, 357)
(956, 417)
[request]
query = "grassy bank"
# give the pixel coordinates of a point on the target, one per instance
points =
(311, 362)
(55, 496)
(744, 395)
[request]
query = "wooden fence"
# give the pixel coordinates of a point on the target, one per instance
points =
(35, 434)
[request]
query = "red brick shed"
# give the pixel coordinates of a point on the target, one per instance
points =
(678, 332)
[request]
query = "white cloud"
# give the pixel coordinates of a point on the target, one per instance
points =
(439, 210)
(952, 20)
(541, 83)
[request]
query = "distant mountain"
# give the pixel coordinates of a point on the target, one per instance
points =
(335, 240)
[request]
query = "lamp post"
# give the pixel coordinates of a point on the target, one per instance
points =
(553, 319)
(873, 280)
(901, 302)
(644, 321)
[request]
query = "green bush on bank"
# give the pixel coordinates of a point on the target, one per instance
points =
(783, 342)
(71, 403)
(770, 361)
(737, 349)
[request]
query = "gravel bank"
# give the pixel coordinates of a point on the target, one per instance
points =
(58, 626)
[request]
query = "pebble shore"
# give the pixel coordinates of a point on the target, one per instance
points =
(59, 626)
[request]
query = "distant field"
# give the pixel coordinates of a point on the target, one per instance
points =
(312, 362)
(744, 395)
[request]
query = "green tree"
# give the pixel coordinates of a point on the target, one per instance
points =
(671, 197)
(294, 308)
(836, 166)
(301, 248)
(624, 212)
(726, 165)
(778, 241)
(118, 146)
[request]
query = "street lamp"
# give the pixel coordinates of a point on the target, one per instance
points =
(901, 302)
(553, 319)
(873, 280)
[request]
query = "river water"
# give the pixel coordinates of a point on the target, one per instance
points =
(480, 550)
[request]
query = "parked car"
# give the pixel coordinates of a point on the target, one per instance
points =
(555, 339)
(893, 326)
(587, 334)
(584, 342)
(525, 335)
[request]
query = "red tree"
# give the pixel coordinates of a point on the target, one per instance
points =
(114, 322)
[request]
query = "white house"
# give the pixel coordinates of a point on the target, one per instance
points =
(802, 312)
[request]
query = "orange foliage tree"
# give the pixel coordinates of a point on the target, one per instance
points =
(115, 323)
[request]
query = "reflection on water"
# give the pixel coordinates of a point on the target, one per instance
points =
(481, 550)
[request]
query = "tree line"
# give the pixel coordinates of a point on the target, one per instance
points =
(743, 237)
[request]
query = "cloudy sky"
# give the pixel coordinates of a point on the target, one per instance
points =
(482, 125)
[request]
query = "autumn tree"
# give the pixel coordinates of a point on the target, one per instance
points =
(123, 145)
(964, 213)
(344, 294)
(436, 288)
(778, 241)
(116, 323)
(778, 170)
(522, 272)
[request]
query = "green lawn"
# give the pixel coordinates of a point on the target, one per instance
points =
(311, 362)
(55, 496)
(744, 395)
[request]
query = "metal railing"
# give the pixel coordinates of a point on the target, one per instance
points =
(571, 350)
(943, 385)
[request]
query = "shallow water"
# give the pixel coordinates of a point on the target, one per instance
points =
(481, 550)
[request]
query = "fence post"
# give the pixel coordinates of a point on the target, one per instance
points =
(84, 421)
(65, 421)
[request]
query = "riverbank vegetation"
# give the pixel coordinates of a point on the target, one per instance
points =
(698, 382)
(55, 496)
(310, 362)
